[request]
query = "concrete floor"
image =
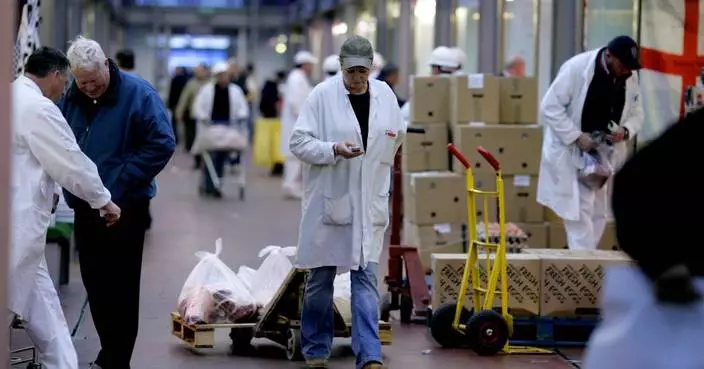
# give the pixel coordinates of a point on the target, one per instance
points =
(185, 223)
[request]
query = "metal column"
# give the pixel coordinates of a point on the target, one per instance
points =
(444, 14)
(327, 47)
(567, 39)
(382, 28)
(47, 28)
(404, 39)
(73, 20)
(490, 40)
(350, 17)
(253, 35)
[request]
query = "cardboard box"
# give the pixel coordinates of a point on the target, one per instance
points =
(478, 98)
(518, 147)
(558, 237)
(572, 280)
(520, 193)
(537, 234)
(434, 198)
(434, 239)
(518, 100)
(523, 286)
(428, 151)
(430, 100)
(462, 99)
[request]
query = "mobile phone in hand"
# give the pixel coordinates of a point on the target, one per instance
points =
(355, 149)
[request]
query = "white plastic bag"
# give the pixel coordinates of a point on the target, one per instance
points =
(272, 273)
(595, 167)
(637, 332)
(246, 275)
(213, 294)
(342, 296)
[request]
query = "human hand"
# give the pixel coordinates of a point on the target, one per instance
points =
(347, 150)
(617, 135)
(111, 213)
(585, 142)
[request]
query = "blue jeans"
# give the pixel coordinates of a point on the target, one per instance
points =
(219, 159)
(317, 315)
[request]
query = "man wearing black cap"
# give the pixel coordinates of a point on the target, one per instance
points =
(594, 92)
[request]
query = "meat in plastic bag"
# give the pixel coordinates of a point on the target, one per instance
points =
(272, 273)
(213, 293)
(595, 167)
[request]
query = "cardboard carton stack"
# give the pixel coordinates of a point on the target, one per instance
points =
(543, 282)
(502, 117)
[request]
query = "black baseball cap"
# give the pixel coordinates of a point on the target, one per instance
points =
(626, 50)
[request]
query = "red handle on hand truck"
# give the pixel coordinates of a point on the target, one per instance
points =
(457, 154)
(489, 158)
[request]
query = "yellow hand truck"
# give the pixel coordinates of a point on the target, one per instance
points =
(483, 329)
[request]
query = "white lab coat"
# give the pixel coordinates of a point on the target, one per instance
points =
(44, 150)
(561, 114)
(637, 332)
(202, 108)
(295, 94)
(345, 207)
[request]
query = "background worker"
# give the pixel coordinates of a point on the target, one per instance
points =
(331, 66)
(298, 86)
(184, 113)
(591, 90)
(347, 154)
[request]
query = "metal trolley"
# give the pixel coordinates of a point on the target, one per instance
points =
(484, 329)
(238, 172)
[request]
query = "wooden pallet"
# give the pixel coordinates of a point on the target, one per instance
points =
(202, 336)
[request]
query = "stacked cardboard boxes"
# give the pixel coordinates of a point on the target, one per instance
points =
(543, 282)
(506, 125)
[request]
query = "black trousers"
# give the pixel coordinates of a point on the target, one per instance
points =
(111, 268)
(190, 133)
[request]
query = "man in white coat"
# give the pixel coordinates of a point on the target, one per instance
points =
(593, 91)
(298, 86)
(44, 154)
(347, 136)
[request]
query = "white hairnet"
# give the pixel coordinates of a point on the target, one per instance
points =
(444, 57)
(331, 64)
(378, 61)
(220, 67)
(305, 57)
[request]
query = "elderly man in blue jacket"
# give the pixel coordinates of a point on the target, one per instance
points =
(121, 124)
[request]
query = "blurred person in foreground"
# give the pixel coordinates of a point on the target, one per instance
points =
(595, 92)
(122, 125)
(652, 312)
(183, 111)
(223, 103)
(45, 154)
(298, 86)
(347, 135)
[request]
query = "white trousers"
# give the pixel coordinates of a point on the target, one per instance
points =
(46, 325)
(585, 233)
(292, 185)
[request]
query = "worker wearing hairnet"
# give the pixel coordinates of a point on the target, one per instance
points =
(347, 136)
(298, 86)
(443, 61)
(44, 152)
(331, 66)
(461, 59)
(594, 93)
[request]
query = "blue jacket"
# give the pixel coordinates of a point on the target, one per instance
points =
(126, 132)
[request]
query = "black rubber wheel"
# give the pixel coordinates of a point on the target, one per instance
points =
(241, 193)
(406, 309)
(488, 332)
(241, 340)
(441, 326)
(293, 345)
(385, 308)
(34, 366)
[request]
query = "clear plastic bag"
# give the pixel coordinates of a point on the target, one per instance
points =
(272, 273)
(213, 293)
(595, 167)
(342, 295)
(246, 275)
